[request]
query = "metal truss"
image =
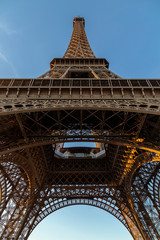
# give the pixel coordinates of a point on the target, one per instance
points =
(79, 100)
(17, 95)
(79, 46)
(145, 195)
(15, 189)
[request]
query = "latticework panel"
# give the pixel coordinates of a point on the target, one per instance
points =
(116, 129)
(16, 192)
(79, 46)
(67, 72)
(145, 197)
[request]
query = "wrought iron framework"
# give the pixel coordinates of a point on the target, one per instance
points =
(79, 100)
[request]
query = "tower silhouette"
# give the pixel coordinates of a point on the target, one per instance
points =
(44, 168)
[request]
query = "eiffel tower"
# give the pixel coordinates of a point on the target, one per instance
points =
(79, 134)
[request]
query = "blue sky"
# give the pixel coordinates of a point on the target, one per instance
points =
(126, 33)
(80, 223)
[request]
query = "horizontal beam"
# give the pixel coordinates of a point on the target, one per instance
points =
(78, 82)
(29, 95)
(15, 106)
(79, 61)
(42, 142)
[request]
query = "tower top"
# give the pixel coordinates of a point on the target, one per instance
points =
(80, 20)
(79, 46)
(79, 50)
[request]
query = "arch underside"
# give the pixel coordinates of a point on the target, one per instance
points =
(145, 181)
(144, 194)
(82, 196)
(130, 139)
(109, 198)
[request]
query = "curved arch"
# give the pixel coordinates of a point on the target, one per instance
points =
(109, 203)
(96, 203)
(78, 217)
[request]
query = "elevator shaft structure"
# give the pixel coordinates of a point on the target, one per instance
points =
(79, 134)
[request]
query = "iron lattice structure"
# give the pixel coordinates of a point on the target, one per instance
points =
(79, 100)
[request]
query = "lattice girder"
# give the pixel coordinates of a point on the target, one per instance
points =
(25, 95)
(79, 46)
(40, 127)
(146, 198)
(52, 126)
(14, 202)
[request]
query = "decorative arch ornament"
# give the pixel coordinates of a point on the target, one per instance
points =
(103, 200)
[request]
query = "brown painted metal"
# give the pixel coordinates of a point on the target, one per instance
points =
(79, 100)
(79, 46)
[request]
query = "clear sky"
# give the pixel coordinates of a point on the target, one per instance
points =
(125, 32)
